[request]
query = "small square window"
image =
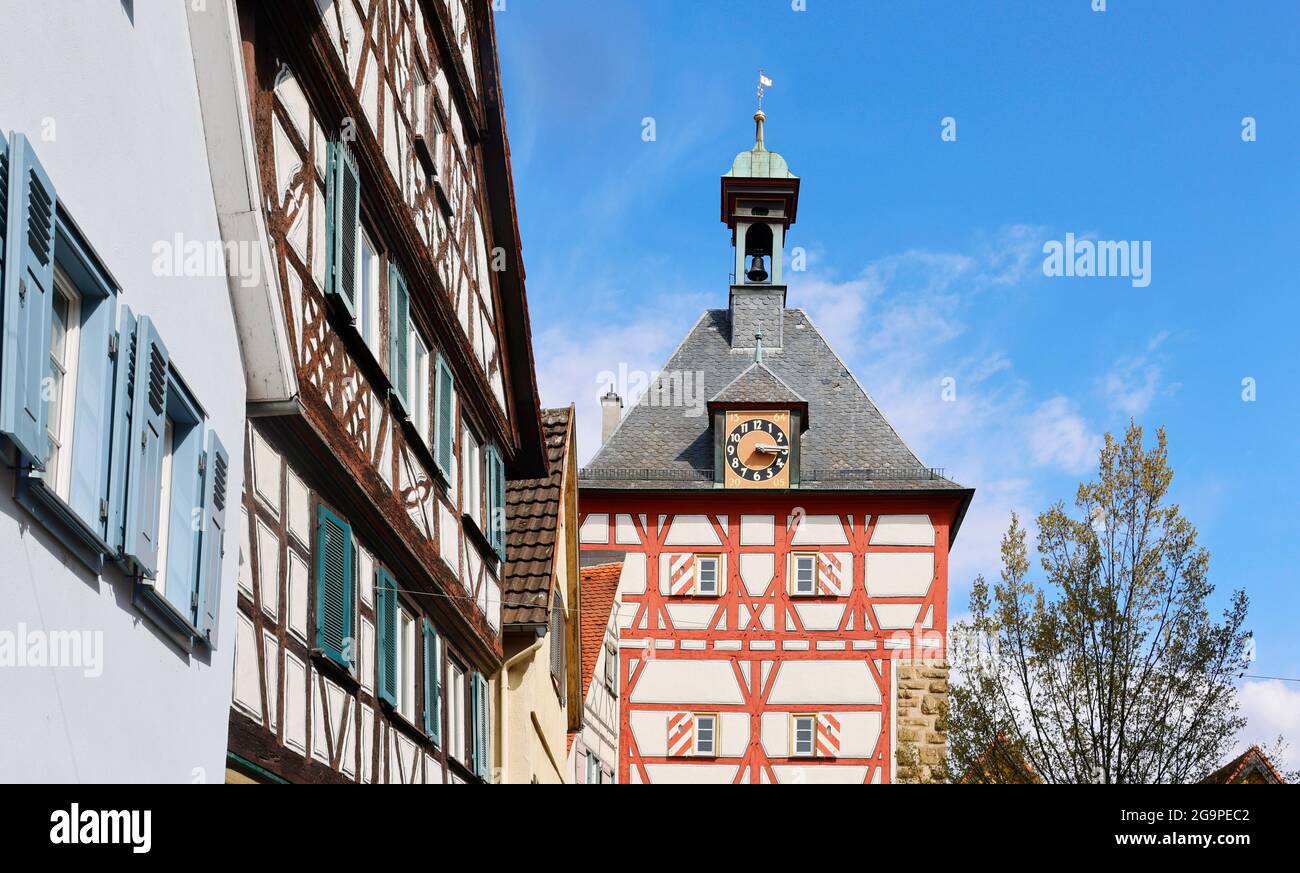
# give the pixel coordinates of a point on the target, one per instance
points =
(706, 735)
(803, 730)
(707, 570)
(804, 582)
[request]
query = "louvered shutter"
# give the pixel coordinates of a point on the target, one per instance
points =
(386, 621)
(496, 488)
(444, 452)
(482, 742)
(28, 302)
(399, 336)
(4, 204)
(343, 214)
(144, 448)
(432, 699)
(216, 484)
(334, 587)
(119, 457)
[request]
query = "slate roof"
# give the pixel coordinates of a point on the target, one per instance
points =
(599, 585)
(848, 446)
(532, 519)
(757, 384)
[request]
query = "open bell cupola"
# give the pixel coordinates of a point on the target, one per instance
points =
(760, 199)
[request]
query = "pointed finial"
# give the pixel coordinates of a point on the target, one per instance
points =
(758, 347)
(759, 118)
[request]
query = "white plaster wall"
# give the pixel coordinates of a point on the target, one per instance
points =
(128, 159)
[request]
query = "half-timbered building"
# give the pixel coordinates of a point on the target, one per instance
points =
(783, 591)
(389, 397)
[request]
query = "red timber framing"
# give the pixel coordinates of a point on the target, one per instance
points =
(760, 633)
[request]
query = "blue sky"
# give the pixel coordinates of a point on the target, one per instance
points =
(925, 257)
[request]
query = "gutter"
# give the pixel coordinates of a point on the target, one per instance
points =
(504, 706)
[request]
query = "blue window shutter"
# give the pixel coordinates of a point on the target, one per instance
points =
(4, 206)
(399, 336)
(496, 488)
(482, 743)
(444, 451)
(333, 587)
(28, 302)
(216, 484)
(94, 412)
(386, 620)
(144, 449)
(119, 458)
(432, 701)
(343, 217)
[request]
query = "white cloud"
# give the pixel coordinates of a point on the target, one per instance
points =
(1059, 436)
(1272, 709)
(1135, 381)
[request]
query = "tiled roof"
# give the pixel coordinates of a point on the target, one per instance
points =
(532, 518)
(599, 585)
(1253, 760)
(849, 445)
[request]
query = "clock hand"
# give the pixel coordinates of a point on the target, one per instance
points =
(769, 448)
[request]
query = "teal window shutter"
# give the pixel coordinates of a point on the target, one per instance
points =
(216, 482)
(386, 621)
(399, 336)
(432, 695)
(4, 203)
(343, 219)
(482, 741)
(496, 490)
(334, 587)
(147, 376)
(444, 449)
(28, 302)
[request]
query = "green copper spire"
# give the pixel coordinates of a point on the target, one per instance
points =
(758, 162)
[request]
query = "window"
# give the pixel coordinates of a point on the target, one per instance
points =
(65, 331)
(368, 293)
(593, 769)
(706, 575)
(706, 735)
(557, 643)
(472, 471)
(343, 211)
(399, 337)
(803, 729)
(336, 594)
(419, 370)
(406, 664)
(611, 668)
(456, 692)
(116, 456)
(804, 577)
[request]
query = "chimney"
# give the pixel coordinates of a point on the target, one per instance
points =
(611, 412)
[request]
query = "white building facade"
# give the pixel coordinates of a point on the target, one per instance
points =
(123, 403)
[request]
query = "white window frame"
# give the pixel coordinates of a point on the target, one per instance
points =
(406, 623)
(795, 718)
(456, 711)
(165, 506)
(717, 575)
(368, 289)
(61, 432)
(472, 464)
(713, 720)
(794, 574)
(593, 769)
(419, 369)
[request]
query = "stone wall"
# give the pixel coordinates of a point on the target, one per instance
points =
(922, 701)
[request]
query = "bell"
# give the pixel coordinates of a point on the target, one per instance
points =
(757, 272)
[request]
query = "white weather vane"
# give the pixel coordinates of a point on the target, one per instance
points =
(763, 82)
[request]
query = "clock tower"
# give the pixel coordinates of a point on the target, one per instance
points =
(783, 554)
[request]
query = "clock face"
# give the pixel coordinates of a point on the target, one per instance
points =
(757, 449)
